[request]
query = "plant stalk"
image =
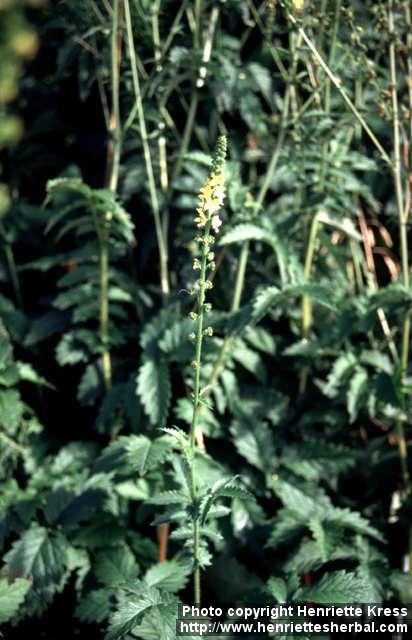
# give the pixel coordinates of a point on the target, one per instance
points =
(161, 240)
(201, 294)
(402, 217)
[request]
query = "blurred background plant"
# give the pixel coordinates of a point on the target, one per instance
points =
(306, 378)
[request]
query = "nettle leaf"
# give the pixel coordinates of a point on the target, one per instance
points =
(225, 488)
(277, 588)
(96, 606)
(129, 454)
(169, 497)
(115, 566)
(254, 442)
(319, 536)
(11, 409)
(154, 389)
(91, 385)
(301, 509)
(137, 602)
(341, 370)
(170, 575)
(69, 507)
(318, 459)
(352, 520)
(249, 359)
(357, 392)
(11, 597)
(39, 555)
(338, 587)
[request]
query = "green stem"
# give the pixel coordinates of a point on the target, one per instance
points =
(112, 178)
(402, 217)
(156, 35)
(161, 240)
(306, 302)
(12, 444)
(115, 122)
(104, 311)
(201, 294)
(198, 29)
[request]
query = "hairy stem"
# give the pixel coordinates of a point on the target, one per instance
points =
(201, 294)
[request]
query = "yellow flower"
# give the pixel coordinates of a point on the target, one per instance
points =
(201, 218)
(299, 5)
(212, 194)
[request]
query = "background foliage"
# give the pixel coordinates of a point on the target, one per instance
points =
(109, 112)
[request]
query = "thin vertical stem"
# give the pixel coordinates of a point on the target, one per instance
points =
(156, 34)
(402, 217)
(112, 178)
(306, 302)
(115, 125)
(161, 240)
(196, 406)
(198, 28)
(104, 310)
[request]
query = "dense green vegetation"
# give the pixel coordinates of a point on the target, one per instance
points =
(204, 353)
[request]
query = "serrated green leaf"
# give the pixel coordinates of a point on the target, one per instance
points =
(116, 566)
(11, 597)
(170, 575)
(338, 587)
(154, 390)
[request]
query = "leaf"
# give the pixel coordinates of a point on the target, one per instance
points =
(137, 602)
(225, 488)
(170, 575)
(11, 597)
(169, 497)
(40, 556)
(319, 536)
(11, 409)
(338, 587)
(154, 390)
(278, 589)
(28, 373)
(254, 442)
(115, 566)
(357, 392)
(70, 507)
(133, 453)
(91, 385)
(96, 606)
